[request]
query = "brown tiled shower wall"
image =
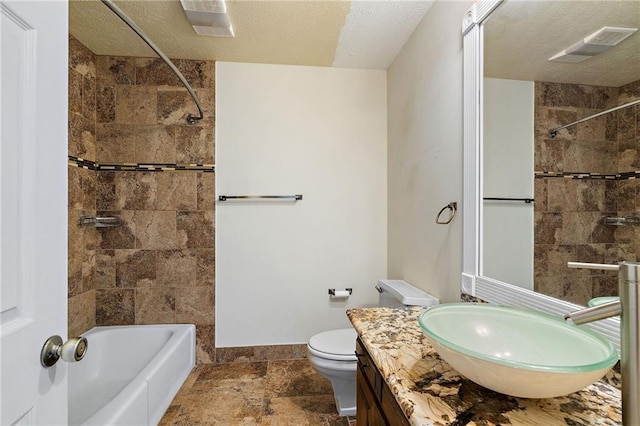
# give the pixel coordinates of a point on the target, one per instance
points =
(568, 212)
(82, 241)
(159, 267)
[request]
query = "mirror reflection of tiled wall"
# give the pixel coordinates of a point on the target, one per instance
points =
(583, 175)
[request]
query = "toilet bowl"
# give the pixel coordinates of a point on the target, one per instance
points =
(332, 353)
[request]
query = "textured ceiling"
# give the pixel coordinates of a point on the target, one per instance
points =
(358, 34)
(375, 31)
(521, 36)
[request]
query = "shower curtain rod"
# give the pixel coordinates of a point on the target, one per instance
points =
(554, 132)
(191, 119)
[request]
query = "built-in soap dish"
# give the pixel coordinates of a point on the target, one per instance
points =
(621, 221)
(100, 221)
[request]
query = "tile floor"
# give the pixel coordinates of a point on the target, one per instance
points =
(269, 393)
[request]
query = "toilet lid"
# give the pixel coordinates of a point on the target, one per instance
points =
(335, 344)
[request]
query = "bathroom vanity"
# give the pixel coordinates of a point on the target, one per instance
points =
(376, 403)
(403, 381)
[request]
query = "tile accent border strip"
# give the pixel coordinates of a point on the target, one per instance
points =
(81, 163)
(139, 167)
(592, 176)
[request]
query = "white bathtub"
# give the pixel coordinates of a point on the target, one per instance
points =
(130, 374)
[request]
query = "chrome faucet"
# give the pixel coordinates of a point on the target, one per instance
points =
(628, 308)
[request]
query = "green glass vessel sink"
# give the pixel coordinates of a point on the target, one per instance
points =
(516, 351)
(601, 300)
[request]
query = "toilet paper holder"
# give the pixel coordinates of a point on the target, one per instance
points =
(332, 291)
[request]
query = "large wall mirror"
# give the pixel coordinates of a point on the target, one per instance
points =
(536, 199)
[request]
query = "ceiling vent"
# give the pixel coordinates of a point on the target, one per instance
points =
(208, 17)
(600, 41)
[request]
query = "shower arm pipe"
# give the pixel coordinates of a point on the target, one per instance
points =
(554, 132)
(191, 119)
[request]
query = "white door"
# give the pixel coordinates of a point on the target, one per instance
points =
(33, 211)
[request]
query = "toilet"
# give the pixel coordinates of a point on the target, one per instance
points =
(332, 353)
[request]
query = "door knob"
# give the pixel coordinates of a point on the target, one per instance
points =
(73, 350)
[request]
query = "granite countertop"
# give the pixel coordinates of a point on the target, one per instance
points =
(430, 392)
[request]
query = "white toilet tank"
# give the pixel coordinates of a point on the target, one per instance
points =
(398, 293)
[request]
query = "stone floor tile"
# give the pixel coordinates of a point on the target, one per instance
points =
(233, 371)
(295, 378)
(228, 402)
(316, 410)
(287, 393)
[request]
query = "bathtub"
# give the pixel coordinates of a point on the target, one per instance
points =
(130, 374)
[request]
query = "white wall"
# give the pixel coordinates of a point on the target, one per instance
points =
(320, 132)
(508, 172)
(425, 153)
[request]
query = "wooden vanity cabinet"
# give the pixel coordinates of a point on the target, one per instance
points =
(376, 405)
